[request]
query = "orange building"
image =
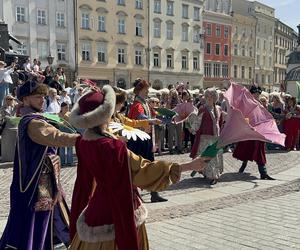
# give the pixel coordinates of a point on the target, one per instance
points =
(217, 52)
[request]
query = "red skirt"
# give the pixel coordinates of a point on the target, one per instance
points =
(291, 128)
(251, 151)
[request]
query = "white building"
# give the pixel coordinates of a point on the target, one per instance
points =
(264, 32)
(44, 27)
(175, 43)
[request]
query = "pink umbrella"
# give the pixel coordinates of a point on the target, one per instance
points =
(184, 110)
(247, 119)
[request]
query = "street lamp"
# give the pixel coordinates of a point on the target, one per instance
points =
(50, 59)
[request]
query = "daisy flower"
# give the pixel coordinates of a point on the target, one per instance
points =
(128, 132)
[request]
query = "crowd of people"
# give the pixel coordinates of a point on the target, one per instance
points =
(107, 210)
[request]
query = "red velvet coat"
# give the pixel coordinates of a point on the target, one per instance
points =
(105, 161)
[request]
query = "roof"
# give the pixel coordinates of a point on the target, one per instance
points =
(293, 75)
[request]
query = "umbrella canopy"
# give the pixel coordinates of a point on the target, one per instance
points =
(151, 91)
(194, 92)
(247, 119)
(164, 90)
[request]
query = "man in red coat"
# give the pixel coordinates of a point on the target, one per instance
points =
(253, 150)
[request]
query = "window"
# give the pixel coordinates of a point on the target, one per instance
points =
(269, 78)
(196, 62)
(184, 62)
(250, 73)
(169, 61)
(225, 49)
(235, 71)
(41, 17)
(218, 30)
(207, 69)
(264, 44)
(101, 53)
(258, 43)
(61, 51)
(251, 52)
(196, 14)
(157, 6)
(22, 48)
(20, 14)
(225, 70)
(170, 8)
(86, 51)
(243, 50)
(258, 59)
(243, 72)
(121, 55)
(101, 23)
(235, 49)
(85, 21)
(156, 60)
(169, 30)
(138, 28)
(139, 4)
(208, 29)
(121, 2)
(216, 70)
(208, 48)
(226, 31)
(263, 79)
(42, 47)
(157, 28)
(264, 61)
(217, 49)
(138, 57)
(270, 61)
(121, 26)
(196, 35)
(60, 19)
(185, 11)
(271, 46)
(185, 33)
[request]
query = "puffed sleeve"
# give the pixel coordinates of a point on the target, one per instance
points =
(133, 123)
(44, 133)
(152, 176)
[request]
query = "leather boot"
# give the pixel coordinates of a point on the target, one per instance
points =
(155, 197)
(242, 168)
(266, 177)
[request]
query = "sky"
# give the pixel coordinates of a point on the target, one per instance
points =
(286, 11)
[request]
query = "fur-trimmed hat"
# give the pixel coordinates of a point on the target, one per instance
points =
(94, 108)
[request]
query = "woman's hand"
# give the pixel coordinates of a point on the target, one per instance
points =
(198, 164)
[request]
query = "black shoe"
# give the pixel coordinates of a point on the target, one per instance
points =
(266, 177)
(157, 198)
(213, 182)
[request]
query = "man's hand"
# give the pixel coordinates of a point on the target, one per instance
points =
(198, 164)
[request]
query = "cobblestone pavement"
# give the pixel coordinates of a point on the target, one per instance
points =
(265, 224)
(277, 162)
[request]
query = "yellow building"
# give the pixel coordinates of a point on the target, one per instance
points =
(243, 49)
(111, 41)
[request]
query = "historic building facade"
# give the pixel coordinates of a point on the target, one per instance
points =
(264, 32)
(44, 27)
(176, 42)
(284, 45)
(243, 49)
(217, 56)
(112, 41)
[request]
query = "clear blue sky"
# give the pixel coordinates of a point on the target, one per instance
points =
(288, 11)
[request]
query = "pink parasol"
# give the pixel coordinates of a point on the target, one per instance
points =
(184, 110)
(247, 119)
